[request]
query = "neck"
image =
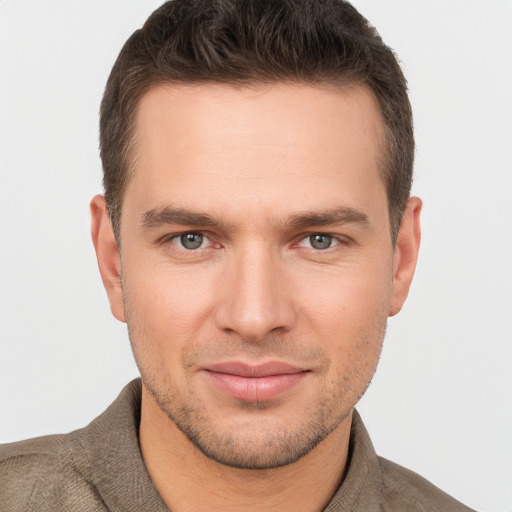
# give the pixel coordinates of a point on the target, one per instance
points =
(187, 480)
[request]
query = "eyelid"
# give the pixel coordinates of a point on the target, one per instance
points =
(339, 239)
(208, 240)
(204, 241)
(170, 237)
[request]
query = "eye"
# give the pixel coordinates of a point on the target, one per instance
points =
(190, 241)
(319, 241)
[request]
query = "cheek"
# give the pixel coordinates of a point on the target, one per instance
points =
(347, 297)
(160, 291)
(347, 314)
(351, 335)
(166, 306)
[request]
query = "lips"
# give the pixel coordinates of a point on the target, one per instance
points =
(258, 383)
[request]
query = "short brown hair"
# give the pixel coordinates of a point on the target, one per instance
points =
(256, 41)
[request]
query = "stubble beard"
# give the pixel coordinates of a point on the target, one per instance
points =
(271, 447)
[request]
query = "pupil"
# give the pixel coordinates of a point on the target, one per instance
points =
(191, 240)
(320, 241)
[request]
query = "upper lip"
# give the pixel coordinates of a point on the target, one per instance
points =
(266, 369)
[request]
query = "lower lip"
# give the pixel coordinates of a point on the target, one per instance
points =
(255, 389)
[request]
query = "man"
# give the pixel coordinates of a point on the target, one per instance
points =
(255, 233)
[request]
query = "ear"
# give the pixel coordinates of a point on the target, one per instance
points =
(406, 254)
(107, 254)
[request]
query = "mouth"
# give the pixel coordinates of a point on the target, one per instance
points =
(255, 383)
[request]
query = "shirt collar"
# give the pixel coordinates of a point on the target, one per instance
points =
(117, 470)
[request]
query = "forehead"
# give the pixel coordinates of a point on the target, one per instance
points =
(208, 140)
(302, 111)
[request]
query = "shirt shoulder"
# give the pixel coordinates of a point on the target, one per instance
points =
(405, 490)
(47, 473)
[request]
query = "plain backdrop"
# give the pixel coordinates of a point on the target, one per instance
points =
(441, 401)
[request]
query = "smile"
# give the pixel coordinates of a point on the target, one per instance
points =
(254, 383)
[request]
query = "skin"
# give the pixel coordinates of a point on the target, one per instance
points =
(256, 172)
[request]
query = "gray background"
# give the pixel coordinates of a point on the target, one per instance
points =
(441, 402)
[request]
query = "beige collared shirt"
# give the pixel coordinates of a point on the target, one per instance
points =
(100, 468)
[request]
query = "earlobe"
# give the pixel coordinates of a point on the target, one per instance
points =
(107, 254)
(406, 254)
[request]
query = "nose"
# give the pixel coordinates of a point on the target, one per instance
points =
(255, 299)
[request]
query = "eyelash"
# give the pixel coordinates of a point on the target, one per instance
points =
(169, 240)
(338, 241)
(332, 238)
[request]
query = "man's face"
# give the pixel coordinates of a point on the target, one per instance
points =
(256, 264)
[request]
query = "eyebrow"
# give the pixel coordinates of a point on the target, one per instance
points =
(335, 216)
(169, 215)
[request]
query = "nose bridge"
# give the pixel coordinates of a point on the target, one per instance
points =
(255, 300)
